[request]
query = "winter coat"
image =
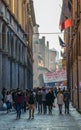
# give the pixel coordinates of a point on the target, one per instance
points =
(49, 98)
(9, 98)
(66, 96)
(31, 99)
(60, 99)
(43, 96)
(20, 99)
(40, 97)
(19, 102)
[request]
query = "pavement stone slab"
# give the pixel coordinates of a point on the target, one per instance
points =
(55, 121)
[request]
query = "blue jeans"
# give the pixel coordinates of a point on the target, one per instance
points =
(18, 109)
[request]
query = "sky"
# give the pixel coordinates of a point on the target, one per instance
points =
(47, 13)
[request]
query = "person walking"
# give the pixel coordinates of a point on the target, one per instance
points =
(3, 93)
(49, 101)
(19, 103)
(31, 105)
(9, 100)
(25, 102)
(44, 101)
(66, 101)
(60, 100)
(39, 101)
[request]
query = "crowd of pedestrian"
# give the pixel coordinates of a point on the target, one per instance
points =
(42, 99)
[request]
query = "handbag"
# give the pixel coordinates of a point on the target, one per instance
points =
(53, 105)
(4, 105)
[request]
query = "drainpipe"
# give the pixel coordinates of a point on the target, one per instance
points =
(77, 75)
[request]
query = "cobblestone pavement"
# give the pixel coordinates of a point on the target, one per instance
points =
(41, 122)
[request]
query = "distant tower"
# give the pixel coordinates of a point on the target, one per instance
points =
(47, 55)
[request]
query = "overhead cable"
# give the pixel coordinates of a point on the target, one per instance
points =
(34, 33)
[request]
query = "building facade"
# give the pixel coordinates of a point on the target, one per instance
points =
(35, 56)
(16, 57)
(73, 51)
(44, 58)
(47, 55)
(52, 59)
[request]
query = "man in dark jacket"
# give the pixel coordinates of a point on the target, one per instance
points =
(31, 105)
(19, 103)
(66, 95)
(39, 101)
(44, 101)
(49, 100)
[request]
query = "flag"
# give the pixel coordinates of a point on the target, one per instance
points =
(65, 19)
(63, 54)
(62, 44)
(70, 4)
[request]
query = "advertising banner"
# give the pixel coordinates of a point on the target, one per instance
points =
(56, 76)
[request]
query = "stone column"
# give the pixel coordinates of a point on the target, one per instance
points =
(6, 61)
(0, 35)
(0, 72)
(0, 57)
(25, 78)
(6, 40)
(16, 69)
(14, 44)
(21, 52)
(13, 74)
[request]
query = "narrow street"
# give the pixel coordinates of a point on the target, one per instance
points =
(41, 122)
(40, 59)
